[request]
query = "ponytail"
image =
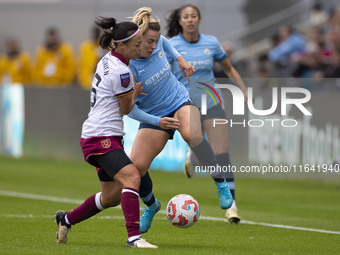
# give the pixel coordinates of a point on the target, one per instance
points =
(114, 31)
(142, 17)
(173, 26)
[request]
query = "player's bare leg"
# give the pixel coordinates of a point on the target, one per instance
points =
(190, 129)
(147, 145)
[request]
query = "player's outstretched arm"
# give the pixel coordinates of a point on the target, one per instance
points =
(164, 122)
(186, 69)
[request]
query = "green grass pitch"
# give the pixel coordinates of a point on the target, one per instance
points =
(28, 227)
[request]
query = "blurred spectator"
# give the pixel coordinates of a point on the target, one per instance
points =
(290, 42)
(318, 15)
(335, 18)
(54, 61)
(89, 54)
(264, 71)
(332, 70)
(309, 65)
(308, 68)
(333, 38)
(15, 64)
(315, 40)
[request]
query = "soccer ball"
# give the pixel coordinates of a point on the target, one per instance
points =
(183, 211)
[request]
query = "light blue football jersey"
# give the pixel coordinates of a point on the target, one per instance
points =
(164, 92)
(201, 55)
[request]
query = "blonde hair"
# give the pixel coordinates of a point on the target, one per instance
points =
(142, 17)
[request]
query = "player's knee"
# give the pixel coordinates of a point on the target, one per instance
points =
(131, 178)
(143, 171)
(186, 136)
(141, 165)
(135, 179)
(195, 138)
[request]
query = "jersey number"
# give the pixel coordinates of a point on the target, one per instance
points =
(94, 91)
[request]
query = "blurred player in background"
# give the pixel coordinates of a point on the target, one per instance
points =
(168, 101)
(113, 95)
(54, 61)
(90, 53)
(201, 51)
(15, 65)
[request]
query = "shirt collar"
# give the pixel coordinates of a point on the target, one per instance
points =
(199, 37)
(120, 57)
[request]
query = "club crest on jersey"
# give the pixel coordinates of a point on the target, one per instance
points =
(207, 51)
(106, 143)
(125, 80)
(160, 54)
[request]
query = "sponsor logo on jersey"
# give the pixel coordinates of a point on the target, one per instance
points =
(207, 51)
(160, 54)
(200, 64)
(106, 143)
(157, 77)
(125, 80)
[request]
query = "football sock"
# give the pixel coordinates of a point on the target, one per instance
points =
(204, 153)
(206, 156)
(90, 207)
(130, 207)
(231, 186)
(145, 190)
(224, 160)
(233, 206)
(133, 238)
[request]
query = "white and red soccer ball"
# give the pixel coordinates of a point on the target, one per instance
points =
(183, 211)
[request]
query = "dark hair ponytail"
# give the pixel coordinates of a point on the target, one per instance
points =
(173, 26)
(114, 31)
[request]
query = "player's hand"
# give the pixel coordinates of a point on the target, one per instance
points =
(138, 87)
(169, 123)
(186, 69)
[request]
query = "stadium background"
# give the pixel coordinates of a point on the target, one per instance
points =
(53, 117)
(279, 215)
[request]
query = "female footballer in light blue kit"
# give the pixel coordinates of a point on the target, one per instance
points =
(167, 100)
(201, 50)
